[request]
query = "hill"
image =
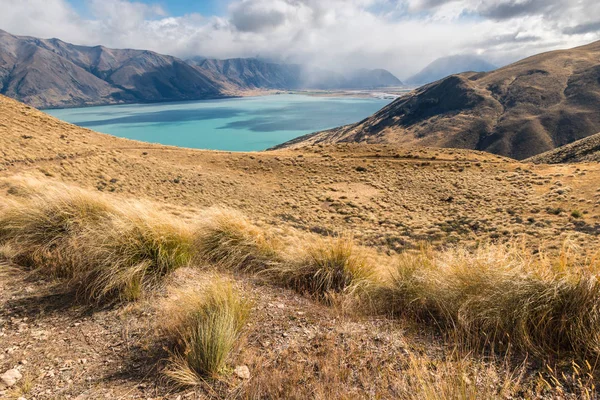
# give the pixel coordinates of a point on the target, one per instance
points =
(446, 66)
(583, 150)
(123, 263)
(523, 109)
(52, 73)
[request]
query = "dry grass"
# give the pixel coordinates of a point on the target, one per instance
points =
(204, 325)
(326, 267)
(109, 250)
(503, 295)
(228, 239)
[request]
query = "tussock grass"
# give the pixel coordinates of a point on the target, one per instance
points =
(460, 378)
(109, 250)
(327, 266)
(502, 294)
(137, 250)
(46, 228)
(228, 239)
(204, 325)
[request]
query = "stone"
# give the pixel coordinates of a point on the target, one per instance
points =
(10, 377)
(242, 372)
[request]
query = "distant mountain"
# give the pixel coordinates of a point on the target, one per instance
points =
(583, 150)
(52, 73)
(523, 109)
(445, 66)
(372, 78)
(252, 73)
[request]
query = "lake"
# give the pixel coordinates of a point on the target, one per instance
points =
(238, 124)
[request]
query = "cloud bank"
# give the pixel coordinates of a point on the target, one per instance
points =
(402, 36)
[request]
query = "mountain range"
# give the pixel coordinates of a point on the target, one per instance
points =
(48, 73)
(526, 108)
(253, 73)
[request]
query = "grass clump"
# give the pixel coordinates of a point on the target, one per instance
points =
(204, 326)
(503, 295)
(138, 250)
(228, 239)
(328, 266)
(109, 250)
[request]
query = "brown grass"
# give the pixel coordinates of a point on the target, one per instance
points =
(204, 325)
(326, 267)
(503, 295)
(228, 239)
(108, 249)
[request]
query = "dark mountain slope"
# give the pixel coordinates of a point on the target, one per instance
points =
(52, 73)
(527, 108)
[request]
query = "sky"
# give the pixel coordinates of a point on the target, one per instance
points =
(399, 35)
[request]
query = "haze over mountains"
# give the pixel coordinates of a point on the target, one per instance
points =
(51, 73)
(253, 73)
(520, 110)
(445, 66)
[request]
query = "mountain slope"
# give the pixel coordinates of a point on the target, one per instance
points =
(583, 150)
(52, 73)
(521, 110)
(446, 66)
(372, 78)
(253, 73)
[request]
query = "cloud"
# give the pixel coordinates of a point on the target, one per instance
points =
(590, 27)
(399, 35)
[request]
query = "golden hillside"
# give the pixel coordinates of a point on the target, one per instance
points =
(132, 270)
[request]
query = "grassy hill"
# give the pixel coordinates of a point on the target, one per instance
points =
(136, 270)
(526, 108)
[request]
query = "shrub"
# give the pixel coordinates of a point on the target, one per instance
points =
(576, 214)
(204, 326)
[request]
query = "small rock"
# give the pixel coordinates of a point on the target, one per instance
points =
(10, 377)
(242, 371)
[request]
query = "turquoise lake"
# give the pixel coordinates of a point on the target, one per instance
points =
(238, 124)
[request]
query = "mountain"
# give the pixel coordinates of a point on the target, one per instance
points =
(372, 78)
(583, 150)
(52, 73)
(252, 73)
(523, 109)
(446, 66)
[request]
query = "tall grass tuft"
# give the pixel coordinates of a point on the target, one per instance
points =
(136, 251)
(228, 239)
(109, 250)
(46, 228)
(328, 266)
(503, 295)
(204, 325)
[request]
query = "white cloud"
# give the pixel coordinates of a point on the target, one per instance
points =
(400, 35)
